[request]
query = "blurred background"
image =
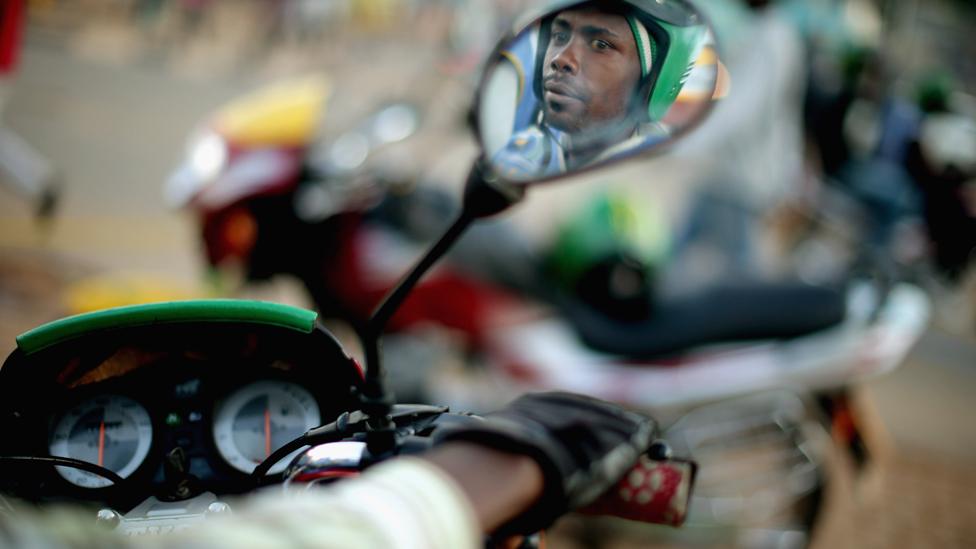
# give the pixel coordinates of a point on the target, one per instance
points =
(845, 148)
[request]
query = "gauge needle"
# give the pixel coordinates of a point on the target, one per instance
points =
(101, 443)
(267, 432)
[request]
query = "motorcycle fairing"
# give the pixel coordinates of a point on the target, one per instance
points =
(179, 357)
(284, 114)
(201, 310)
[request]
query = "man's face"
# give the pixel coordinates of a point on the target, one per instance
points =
(591, 70)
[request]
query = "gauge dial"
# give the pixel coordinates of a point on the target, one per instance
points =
(259, 418)
(109, 430)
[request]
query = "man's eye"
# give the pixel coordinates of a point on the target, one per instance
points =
(560, 37)
(601, 45)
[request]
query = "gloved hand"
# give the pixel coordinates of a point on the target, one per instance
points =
(583, 446)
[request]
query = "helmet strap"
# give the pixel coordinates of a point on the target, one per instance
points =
(645, 45)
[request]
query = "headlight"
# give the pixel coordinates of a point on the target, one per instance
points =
(207, 155)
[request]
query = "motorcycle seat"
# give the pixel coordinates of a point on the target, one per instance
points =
(727, 313)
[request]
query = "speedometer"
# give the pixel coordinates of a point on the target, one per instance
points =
(109, 430)
(259, 418)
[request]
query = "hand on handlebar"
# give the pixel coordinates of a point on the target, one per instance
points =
(582, 445)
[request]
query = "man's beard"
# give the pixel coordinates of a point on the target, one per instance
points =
(595, 136)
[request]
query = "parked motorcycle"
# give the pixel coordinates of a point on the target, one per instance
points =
(259, 177)
(757, 376)
(158, 411)
(274, 196)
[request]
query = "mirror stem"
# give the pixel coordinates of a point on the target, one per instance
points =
(482, 197)
(375, 399)
(382, 315)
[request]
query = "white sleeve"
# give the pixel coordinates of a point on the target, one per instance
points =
(404, 504)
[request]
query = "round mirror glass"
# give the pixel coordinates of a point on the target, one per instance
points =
(588, 83)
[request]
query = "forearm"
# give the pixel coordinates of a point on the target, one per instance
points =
(499, 485)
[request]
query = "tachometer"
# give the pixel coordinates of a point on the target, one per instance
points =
(110, 430)
(258, 418)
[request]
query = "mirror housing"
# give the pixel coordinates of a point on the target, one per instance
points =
(585, 84)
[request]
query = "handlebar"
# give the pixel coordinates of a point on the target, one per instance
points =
(656, 490)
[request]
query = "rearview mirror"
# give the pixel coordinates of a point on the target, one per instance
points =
(588, 83)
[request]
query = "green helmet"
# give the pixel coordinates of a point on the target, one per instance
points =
(607, 254)
(933, 90)
(675, 33)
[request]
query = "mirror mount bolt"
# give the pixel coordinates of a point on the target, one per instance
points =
(486, 195)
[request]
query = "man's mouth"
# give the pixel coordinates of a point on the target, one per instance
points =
(556, 91)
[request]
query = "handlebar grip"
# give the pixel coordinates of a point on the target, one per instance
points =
(653, 491)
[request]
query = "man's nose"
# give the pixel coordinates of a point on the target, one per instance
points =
(566, 59)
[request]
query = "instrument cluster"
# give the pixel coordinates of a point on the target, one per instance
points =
(210, 422)
(173, 409)
(238, 429)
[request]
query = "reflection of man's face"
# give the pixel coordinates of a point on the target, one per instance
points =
(591, 70)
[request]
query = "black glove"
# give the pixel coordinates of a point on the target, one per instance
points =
(583, 446)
